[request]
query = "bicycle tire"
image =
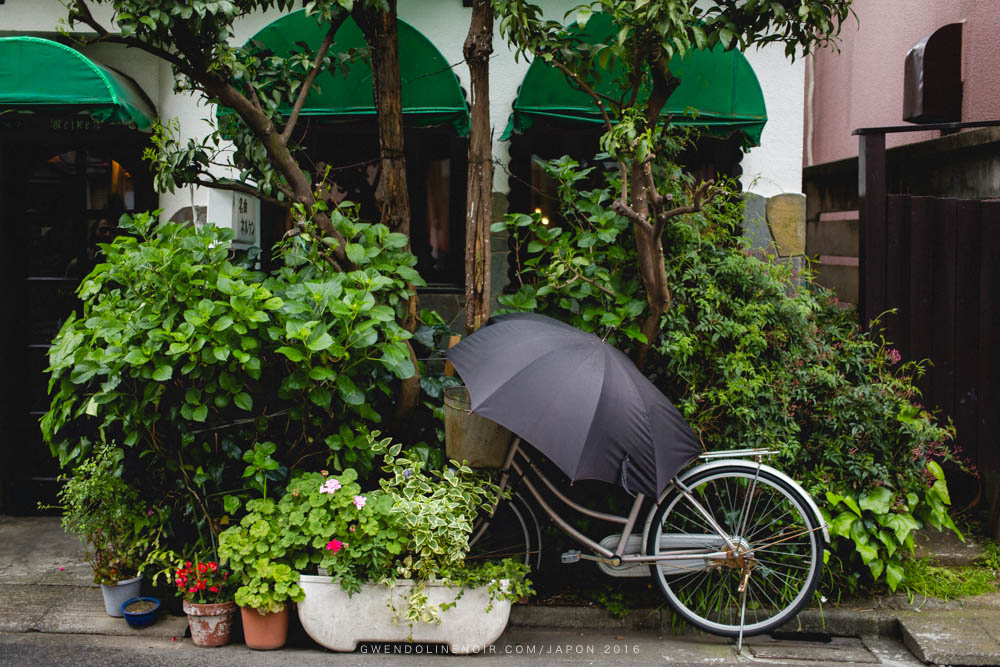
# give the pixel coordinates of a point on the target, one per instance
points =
(512, 532)
(777, 527)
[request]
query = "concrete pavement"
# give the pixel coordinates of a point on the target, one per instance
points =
(50, 610)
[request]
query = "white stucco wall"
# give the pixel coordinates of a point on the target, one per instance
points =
(770, 169)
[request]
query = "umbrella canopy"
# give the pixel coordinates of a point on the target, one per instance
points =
(581, 402)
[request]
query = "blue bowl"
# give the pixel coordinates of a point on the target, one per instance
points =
(142, 619)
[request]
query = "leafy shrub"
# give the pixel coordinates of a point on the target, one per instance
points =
(220, 379)
(752, 358)
(117, 531)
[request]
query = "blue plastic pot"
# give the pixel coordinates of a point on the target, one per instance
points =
(142, 619)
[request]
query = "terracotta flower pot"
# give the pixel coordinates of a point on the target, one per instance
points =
(264, 632)
(211, 624)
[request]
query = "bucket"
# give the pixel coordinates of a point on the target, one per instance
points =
(468, 437)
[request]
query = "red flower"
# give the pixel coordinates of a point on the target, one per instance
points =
(202, 568)
(193, 589)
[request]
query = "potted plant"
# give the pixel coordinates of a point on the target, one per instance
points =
(258, 552)
(109, 518)
(396, 553)
(207, 600)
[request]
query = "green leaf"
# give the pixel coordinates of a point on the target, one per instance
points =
(200, 413)
(321, 396)
(244, 401)
(136, 357)
(294, 354)
(163, 373)
(355, 252)
(222, 323)
(877, 500)
(841, 524)
(940, 487)
(893, 575)
(867, 552)
(321, 342)
(321, 373)
(230, 504)
(349, 391)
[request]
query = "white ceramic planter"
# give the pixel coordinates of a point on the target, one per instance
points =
(340, 622)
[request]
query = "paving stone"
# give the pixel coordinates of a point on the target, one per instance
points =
(72, 610)
(37, 551)
(958, 637)
(837, 649)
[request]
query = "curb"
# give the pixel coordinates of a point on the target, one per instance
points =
(868, 618)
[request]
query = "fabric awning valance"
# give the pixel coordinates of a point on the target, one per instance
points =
(42, 75)
(431, 92)
(718, 91)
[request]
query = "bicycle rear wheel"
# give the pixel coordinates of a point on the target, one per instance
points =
(778, 539)
(512, 532)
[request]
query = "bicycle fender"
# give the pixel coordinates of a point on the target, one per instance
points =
(720, 463)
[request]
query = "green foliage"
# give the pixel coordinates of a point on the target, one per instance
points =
(221, 379)
(415, 526)
(109, 517)
(923, 577)
(753, 358)
(259, 552)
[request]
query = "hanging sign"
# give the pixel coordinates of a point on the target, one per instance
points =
(246, 220)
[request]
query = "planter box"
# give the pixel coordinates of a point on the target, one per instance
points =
(340, 622)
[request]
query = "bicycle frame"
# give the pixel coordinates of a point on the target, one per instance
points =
(520, 463)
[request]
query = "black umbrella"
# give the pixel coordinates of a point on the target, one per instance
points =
(581, 402)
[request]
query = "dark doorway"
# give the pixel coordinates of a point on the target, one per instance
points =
(61, 194)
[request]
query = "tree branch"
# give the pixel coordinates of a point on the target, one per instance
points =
(586, 89)
(81, 12)
(704, 192)
(311, 77)
(233, 186)
(623, 209)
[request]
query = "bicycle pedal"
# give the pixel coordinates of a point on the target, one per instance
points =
(572, 556)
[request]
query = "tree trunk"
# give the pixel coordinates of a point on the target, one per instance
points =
(380, 33)
(652, 269)
(479, 195)
(381, 36)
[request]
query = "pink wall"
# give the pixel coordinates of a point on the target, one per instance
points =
(862, 85)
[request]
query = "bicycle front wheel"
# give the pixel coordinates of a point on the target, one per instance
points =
(778, 557)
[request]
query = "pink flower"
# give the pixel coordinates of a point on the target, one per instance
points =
(359, 501)
(330, 486)
(893, 356)
(351, 529)
(334, 546)
(62, 569)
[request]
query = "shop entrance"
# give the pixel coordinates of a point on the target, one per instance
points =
(60, 196)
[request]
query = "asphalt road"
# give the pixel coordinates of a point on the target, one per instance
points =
(516, 647)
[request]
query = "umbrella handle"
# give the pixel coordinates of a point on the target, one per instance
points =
(623, 476)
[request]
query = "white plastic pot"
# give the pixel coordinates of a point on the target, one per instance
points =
(340, 622)
(115, 595)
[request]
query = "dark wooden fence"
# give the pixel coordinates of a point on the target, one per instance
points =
(936, 261)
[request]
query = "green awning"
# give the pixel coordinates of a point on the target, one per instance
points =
(431, 92)
(718, 91)
(41, 75)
